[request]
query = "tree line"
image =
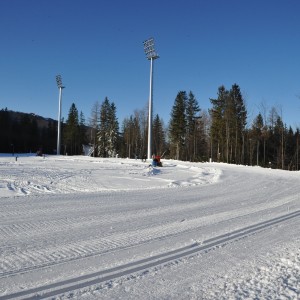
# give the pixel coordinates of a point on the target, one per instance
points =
(221, 134)
(25, 133)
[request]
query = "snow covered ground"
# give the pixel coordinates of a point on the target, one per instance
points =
(92, 228)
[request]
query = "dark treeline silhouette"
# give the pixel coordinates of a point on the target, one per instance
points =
(25, 133)
(221, 134)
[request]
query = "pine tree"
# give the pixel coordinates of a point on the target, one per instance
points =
(108, 130)
(280, 134)
(71, 132)
(291, 149)
(113, 131)
(130, 135)
(159, 140)
(141, 117)
(103, 128)
(177, 126)
(273, 145)
(204, 142)
(228, 116)
(218, 125)
(134, 135)
(239, 122)
(193, 126)
(94, 123)
(82, 129)
(256, 136)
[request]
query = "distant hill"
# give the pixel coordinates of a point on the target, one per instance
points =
(28, 133)
(41, 121)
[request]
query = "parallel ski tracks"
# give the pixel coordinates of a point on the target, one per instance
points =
(69, 285)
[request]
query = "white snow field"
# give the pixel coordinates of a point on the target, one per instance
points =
(92, 228)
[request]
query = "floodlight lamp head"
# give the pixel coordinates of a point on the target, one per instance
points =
(149, 49)
(59, 82)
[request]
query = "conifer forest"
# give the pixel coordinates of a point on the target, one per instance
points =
(223, 133)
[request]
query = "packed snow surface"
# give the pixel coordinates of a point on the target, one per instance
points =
(95, 228)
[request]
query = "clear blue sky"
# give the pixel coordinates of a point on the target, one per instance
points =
(97, 47)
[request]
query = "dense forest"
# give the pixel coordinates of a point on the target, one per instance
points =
(221, 134)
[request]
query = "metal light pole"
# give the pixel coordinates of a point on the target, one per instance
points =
(151, 55)
(60, 87)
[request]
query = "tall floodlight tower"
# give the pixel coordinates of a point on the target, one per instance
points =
(60, 87)
(151, 55)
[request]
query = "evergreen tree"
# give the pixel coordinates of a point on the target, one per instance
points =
(141, 117)
(134, 135)
(103, 128)
(94, 123)
(273, 144)
(113, 131)
(177, 126)
(256, 136)
(218, 124)
(193, 126)
(291, 149)
(82, 129)
(130, 134)
(159, 141)
(227, 133)
(108, 130)
(279, 135)
(204, 142)
(239, 122)
(72, 133)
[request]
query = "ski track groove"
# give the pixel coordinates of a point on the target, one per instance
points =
(89, 247)
(59, 288)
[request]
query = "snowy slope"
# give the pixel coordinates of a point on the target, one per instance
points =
(91, 228)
